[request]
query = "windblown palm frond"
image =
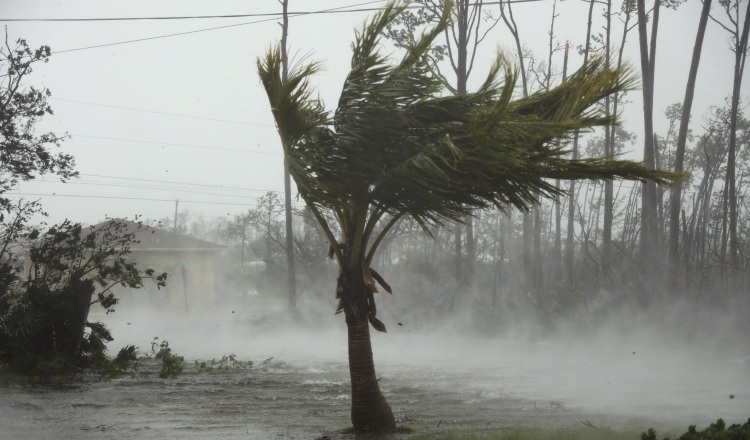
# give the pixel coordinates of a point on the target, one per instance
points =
(301, 120)
(398, 144)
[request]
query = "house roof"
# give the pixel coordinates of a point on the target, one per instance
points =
(155, 239)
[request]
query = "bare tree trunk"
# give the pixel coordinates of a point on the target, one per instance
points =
(609, 152)
(462, 76)
(528, 222)
(458, 250)
(471, 251)
(739, 66)
(526, 253)
(569, 243)
(466, 33)
(676, 195)
(557, 259)
(649, 243)
(513, 28)
(537, 272)
(724, 227)
(609, 196)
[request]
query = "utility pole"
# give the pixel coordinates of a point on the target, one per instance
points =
(290, 269)
(174, 223)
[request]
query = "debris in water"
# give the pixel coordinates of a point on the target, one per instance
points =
(589, 424)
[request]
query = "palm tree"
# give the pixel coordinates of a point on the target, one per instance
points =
(398, 145)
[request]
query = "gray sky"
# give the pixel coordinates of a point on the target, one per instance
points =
(185, 117)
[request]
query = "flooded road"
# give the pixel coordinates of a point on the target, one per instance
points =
(302, 391)
(267, 402)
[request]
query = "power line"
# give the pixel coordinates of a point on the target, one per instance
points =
(339, 10)
(175, 145)
(130, 198)
(162, 113)
(175, 183)
(291, 15)
(160, 188)
(154, 38)
(157, 188)
(200, 17)
(199, 30)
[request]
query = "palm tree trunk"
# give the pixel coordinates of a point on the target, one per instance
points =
(370, 411)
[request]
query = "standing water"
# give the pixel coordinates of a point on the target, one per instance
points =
(298, 387)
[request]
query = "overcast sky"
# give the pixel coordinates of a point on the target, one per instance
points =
(184, 117)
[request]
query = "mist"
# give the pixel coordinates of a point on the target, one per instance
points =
(672, 363)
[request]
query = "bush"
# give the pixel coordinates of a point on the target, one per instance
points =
(171, 364)
(716, 431)
(44, 327)
(226, 363)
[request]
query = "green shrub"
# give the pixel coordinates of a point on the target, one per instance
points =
(44, 327)
(171, 364)
(226, 363)
(716, 431)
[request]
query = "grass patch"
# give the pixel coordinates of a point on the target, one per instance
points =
(533, 434)
(716, 431)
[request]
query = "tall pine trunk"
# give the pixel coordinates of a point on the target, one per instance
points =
(740, 51)
(609, 147)
(557, 258)
(569, 241)
(676, 195)
(528, 221)
(649, 227)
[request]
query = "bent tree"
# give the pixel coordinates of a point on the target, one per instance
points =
(44, 327)
(399, 145)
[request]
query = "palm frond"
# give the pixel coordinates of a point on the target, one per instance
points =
(398, 144)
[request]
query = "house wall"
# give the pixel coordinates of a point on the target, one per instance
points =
(191, 282)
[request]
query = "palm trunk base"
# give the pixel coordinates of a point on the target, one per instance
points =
(370, 411)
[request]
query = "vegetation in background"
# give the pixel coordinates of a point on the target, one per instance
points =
(399, 147)
(126, 359)
(716, 431)
(227, 362)
(531, 434)
(604, 268)
(50, 276)
(171, 364)
(44, 326)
